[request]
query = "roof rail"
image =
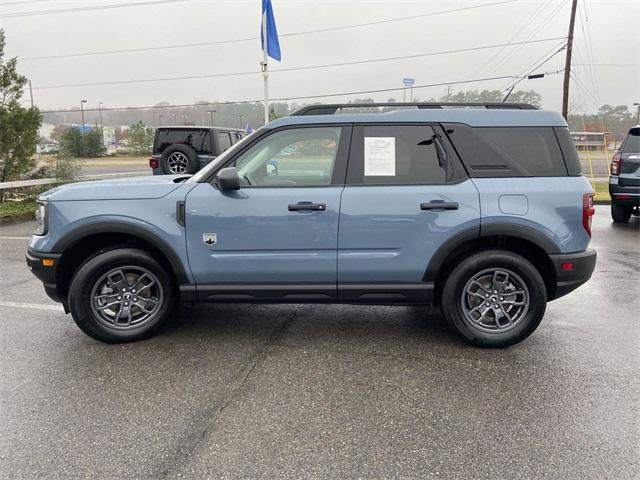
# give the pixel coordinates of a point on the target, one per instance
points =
(331, 109)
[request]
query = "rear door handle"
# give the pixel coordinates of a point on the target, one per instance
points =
(439, 206)
(302, 206)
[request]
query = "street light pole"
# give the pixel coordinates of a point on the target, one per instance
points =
(211, 112)
(160, 120)
(637, 113)
(100, 112)
(82, 102)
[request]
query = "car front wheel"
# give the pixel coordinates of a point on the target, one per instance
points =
(121, 295)
(494, 298)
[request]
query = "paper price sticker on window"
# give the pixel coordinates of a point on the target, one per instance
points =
(379, 156)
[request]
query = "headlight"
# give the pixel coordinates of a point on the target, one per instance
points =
(41, 219)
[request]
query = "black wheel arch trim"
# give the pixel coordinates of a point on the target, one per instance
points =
(481, 231)
(120, 227)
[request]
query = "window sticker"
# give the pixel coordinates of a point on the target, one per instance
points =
(379, 156)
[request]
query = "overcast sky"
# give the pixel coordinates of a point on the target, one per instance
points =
(612, 27)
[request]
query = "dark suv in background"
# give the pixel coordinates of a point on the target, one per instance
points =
(624, 183)
(185, 150)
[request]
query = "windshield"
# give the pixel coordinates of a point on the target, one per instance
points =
(220, 159)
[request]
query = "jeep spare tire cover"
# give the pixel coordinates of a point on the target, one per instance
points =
(178, 159)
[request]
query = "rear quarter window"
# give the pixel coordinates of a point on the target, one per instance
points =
(631, 143)
(198, 139)
(508, 151)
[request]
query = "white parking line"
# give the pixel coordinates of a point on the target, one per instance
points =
(15, 238)
(36, 306)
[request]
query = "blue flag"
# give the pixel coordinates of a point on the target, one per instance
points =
(273, 46)
(248, 130)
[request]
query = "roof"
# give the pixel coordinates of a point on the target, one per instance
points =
(474, 117)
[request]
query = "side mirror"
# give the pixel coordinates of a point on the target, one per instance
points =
(228, 179)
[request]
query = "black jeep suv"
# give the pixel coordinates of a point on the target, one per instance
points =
(624, 183)
(178, 150)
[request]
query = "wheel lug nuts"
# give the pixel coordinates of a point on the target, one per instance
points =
(126, 304)
(487, 295)
(119, 297)
(135, 299)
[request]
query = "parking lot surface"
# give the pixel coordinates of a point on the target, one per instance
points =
(241, 391)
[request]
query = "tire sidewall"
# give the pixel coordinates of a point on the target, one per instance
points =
(460, 275)
(91, 271)
(190, 153)
(620, 214)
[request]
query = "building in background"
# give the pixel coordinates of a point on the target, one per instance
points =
(591, 141)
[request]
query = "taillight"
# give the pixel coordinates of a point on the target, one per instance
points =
(615, 164)
(587, 211)
(153, 162)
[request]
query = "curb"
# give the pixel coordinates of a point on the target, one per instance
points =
(16, 219)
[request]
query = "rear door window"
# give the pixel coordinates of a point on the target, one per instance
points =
(399, 155)
(508, 151)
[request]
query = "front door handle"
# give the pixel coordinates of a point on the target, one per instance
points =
(436, 205)
(302, 206)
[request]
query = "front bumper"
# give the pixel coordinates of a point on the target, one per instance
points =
(47, 274)
(567, 280)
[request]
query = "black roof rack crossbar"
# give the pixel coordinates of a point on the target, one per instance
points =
(331, 109)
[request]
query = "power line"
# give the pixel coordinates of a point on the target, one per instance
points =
(23, 2)
(85, 9)
(249, 39)
(538, 64)
(307, 97)
(305, 67)
(487, 65)
(621, 65)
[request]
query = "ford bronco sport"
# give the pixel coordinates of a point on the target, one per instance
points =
(480, 210)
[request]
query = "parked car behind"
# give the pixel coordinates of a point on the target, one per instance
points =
(624, 182)
(185, 150)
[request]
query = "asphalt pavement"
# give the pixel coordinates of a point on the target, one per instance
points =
(340, 392)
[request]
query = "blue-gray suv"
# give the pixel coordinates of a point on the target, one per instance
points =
(480, 209)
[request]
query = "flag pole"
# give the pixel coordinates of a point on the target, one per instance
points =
(265, 71)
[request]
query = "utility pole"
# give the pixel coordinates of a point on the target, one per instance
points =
(211, 112)
(82, 102)
(100, 112)
(31, 93)
(567, 62)
(637, 113)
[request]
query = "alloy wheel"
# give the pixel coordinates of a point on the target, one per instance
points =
(126, 297)
(495, 300)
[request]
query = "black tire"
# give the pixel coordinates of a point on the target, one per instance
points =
(173, 160)
(620, 214)
(455, 300)
(90, 275)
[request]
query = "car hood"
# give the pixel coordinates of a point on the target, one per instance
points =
(133, 188)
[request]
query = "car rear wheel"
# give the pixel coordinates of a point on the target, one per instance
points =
(121, 295)
(494, 298)
(620, 214)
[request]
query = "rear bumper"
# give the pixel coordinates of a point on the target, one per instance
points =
(45, 274)
(624, 196)
(568, 280)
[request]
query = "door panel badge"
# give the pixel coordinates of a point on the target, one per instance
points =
(210, 239)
